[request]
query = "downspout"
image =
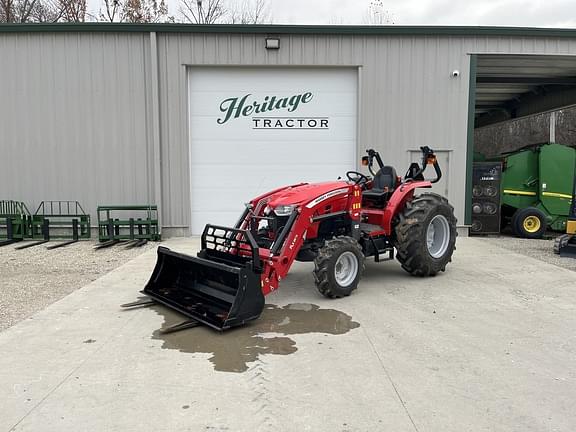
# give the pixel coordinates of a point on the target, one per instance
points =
(156, 151)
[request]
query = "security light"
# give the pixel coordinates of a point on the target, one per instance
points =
(272, 43)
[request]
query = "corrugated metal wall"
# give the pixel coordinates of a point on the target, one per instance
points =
(408, 97)
(76, 107)
(73, 113)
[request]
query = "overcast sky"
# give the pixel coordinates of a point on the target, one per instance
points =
(527, 13)
(537, 13)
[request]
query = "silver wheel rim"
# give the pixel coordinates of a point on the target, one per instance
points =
(438, 236)
(346, 269)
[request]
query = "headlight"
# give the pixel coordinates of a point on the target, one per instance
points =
(284, 210)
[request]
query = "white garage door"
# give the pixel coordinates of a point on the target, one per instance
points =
(255, 129)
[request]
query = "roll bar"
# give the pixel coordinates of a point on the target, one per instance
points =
(428, 158)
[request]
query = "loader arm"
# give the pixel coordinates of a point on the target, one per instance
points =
(344, 200)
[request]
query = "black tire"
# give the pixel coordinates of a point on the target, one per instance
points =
(529, 223)
(325, 266)
(513, 224)
(411, 230)
(561, 242)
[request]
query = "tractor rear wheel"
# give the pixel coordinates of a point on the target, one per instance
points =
(425, 235)
(338, 267)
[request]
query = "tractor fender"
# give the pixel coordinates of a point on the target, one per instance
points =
(397, 201)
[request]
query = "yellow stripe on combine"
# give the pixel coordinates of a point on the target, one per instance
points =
(517, 192)
(556, 195)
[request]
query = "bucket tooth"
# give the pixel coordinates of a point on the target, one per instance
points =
(139, 303)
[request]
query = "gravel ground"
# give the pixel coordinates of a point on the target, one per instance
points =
(34, 278)
(31, 279)
(540, 249)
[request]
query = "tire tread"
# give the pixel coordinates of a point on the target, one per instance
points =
(322, 265)
(410, 235)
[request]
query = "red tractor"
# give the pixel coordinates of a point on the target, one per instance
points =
(337, 225)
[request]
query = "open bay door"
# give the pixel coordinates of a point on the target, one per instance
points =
(253, 129)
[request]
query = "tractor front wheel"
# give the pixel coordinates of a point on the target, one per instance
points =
(338, 267)
(425, 235)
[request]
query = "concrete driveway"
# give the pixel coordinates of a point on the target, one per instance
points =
(490, 345)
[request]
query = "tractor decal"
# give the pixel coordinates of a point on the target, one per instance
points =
(326, 196)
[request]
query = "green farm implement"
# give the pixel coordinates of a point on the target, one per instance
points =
(537, 187)
(58, 220)
(53, 220)
(137, 224)
(14, 222)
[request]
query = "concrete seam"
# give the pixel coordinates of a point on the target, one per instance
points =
(41, 401)
(390, 380)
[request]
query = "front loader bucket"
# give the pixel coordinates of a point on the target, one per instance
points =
(216, 294)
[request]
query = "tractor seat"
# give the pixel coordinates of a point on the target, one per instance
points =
(384, 183)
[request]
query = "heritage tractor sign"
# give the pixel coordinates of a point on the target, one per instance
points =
(260, 112)
(253, 129)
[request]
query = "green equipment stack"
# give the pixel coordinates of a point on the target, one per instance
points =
(14, 222)
(537, 187)
(136, 223)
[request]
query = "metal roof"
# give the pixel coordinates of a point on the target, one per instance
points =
(503, 81)
(393, 30)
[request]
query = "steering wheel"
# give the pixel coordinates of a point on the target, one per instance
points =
(357, 178)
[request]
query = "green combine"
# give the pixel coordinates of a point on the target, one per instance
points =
(537, 184)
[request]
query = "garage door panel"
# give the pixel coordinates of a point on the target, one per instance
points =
(216, 218)
(269, 152)
(231, 162)
(281, 79)
(256, 179)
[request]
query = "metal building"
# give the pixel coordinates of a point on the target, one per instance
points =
(198, 119)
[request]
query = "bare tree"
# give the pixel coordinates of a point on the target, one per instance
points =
(47, 11)
(203, 11)
(23, 11)
(225, 11)
(73, 10)
(111, 11)
(250, 12)
(7, 11)
(142, 11)
(377, 14)
(134, 11)
(17, 11)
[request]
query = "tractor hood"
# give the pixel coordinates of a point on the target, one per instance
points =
(307, 194)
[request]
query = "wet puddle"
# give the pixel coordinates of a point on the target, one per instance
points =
(232, 350)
